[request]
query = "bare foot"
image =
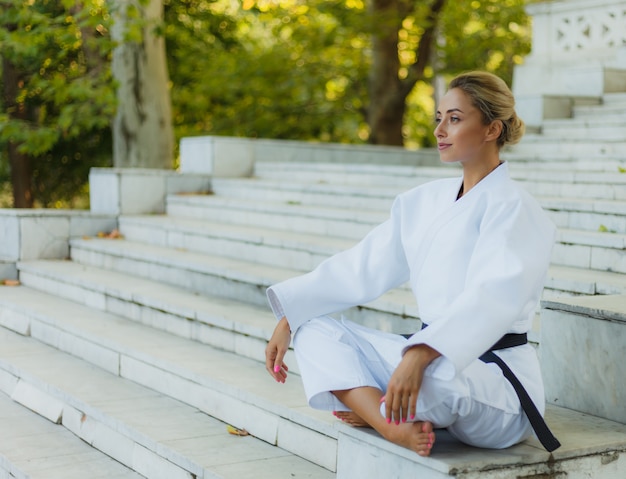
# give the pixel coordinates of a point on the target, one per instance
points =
(417, 436)
(351, 418)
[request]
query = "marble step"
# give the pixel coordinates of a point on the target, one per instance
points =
(575, 212)
(152, 418)
(604, 239)
(611, 105)
(235, 325)
(581, 214)
(539, 146)
(230, 325)
(32, 447)
(564, 169)
(596, 129)
(295, 217)
(598, 251)
(308, 192)
(242, 280)
(263, 245)
(205, 275)
(158, 411)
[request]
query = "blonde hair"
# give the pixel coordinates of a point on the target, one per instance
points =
(491, 95)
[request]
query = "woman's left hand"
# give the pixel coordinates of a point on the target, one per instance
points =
(405, 383)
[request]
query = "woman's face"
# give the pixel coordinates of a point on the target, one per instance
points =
(460, 132)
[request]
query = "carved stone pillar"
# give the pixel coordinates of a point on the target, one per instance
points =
(578, 52)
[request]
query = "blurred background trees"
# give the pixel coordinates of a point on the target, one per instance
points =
(351, 71)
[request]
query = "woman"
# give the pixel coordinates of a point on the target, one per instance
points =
(475, 251)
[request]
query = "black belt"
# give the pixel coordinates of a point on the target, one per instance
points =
(545, 436)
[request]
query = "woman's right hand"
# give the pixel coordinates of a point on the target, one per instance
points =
(276, 349)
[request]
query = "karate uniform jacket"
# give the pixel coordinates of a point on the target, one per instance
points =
(476, 266)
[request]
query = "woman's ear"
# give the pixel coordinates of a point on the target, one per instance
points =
(494, 130)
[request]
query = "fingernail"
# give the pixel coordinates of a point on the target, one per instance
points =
(388, 420)
(397, 422)
(430, 445)
(276, 369)
(403, 419)
(382, 399)
(412, 416)
(334, 413)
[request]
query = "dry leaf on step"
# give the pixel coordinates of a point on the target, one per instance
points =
(10, 282)
(115, 234)
(236, 431)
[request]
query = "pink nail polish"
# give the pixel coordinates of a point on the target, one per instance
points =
(276, 369)
(403, 419)
(388, 420)
(382, 399)
(397, 422)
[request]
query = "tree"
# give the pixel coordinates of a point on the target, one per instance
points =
(414, 42)
(273, 69)
(389, 89)
(57, 100)
(330, 70)
(142, 130)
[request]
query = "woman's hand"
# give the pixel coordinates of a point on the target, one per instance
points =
(405, 383)
(276, 349)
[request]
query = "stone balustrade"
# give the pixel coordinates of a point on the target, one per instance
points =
(578, 30)
(578, 54)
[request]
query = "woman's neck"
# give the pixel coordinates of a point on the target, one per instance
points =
(474, 173)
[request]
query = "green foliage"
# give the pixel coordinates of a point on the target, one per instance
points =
(493, 35)
(65, 91)
(299, 70)
(290, 69)
(285, 69)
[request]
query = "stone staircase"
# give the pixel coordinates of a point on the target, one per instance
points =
(149, 347)
(142, 355)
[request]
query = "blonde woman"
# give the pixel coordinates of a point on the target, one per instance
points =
(475, 251)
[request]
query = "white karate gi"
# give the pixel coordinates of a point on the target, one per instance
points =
(476, 266)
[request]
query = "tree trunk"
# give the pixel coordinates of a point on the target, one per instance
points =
(19, 163)
(387, 92)
(142, 130)
(386, 104)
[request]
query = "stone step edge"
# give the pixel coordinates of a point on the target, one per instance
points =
(233, 271)
(64, 440)
(374, 216)
(51, 409)
(310, 243)
(57, 406)
(51, 405)
(249, 339)
(383, 304)
(214, 398)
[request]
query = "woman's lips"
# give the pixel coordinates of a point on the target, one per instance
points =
(443, 146)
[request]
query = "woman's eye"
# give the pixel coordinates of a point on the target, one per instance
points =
(454, 119)
(437, 120)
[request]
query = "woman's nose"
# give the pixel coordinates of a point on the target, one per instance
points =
(439, 130)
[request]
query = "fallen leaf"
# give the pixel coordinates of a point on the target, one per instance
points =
(10, 282)
(115, 234)
(235, 431)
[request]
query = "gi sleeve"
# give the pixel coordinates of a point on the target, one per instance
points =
(505, 277)
(355, 276)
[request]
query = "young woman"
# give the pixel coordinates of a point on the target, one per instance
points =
(475, 251)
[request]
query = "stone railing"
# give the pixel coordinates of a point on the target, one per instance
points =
(578, 54)
(578, 30)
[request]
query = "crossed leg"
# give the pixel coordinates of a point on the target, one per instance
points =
(365, 405)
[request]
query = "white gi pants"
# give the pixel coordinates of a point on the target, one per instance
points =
(479, 406)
